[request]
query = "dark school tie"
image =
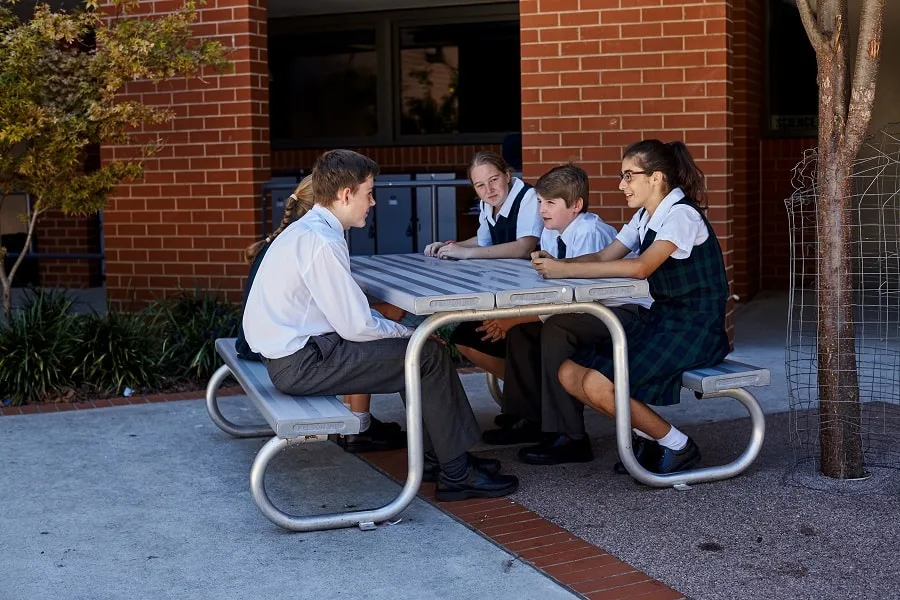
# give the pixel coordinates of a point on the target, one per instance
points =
(560, 248)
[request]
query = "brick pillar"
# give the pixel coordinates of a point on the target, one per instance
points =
(186, 223)
(597, 77)
(748, 85)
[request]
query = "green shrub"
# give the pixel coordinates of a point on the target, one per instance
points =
(190, 324)
(120, 349)
(39, 348)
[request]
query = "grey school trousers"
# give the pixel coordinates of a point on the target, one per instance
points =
(534, 353)
(329, 364)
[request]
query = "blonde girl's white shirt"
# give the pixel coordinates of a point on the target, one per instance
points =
(528, 223)
(304, 288)
(680, 224)
(586, 234)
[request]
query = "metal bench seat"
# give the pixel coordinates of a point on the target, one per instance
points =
(289, 417)
(290, 420)
(726, 375)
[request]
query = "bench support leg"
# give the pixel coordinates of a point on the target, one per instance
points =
(493, 385)
(212, 407)
(364, 519)
(706, 474)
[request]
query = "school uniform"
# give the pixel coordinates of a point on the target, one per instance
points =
(586, 234)
(685, 327)
(518, 217)
(312, 324)
(535, 351)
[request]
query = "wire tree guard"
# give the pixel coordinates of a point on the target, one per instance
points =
(875, 207)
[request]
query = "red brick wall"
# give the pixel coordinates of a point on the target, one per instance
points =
(748, 79)
(187, 222)
(598, 75)
(778, 158)
(399, 158)
(58, 233)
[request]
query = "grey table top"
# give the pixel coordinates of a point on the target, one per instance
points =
(425, 285)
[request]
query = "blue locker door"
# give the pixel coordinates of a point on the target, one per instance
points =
(393, 217)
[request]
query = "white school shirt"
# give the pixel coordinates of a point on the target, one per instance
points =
(682, 225)
(528, 223)
(304, 288)
(587, 234)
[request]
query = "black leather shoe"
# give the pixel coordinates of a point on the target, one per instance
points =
(505, 420)
(645, 451)
(478, 484)
(672, 461)
(557, 449)
(379, 436)
(432, 468)
(522, 431)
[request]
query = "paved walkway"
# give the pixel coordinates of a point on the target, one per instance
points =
(152, 501)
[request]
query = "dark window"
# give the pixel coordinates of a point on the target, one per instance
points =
(323, 85)
(459, 78)
(791, 90)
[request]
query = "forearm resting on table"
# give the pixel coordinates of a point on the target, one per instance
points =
(520, 248)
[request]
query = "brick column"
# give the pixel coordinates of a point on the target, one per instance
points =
(187, 222)
(598, 75)
(748, 86)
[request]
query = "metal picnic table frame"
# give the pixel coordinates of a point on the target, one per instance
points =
(475, 290)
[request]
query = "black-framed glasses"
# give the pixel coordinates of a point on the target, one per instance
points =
(627, 175)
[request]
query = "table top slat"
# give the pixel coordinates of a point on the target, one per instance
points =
(425, 285)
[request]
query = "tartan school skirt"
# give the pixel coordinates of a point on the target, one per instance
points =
(657, 358)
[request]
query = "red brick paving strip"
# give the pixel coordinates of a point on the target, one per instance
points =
(29, 409)
(581, 567)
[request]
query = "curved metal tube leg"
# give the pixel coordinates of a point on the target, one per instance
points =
(493, 384)
(212, 407)
(716, 473)
(414, 424)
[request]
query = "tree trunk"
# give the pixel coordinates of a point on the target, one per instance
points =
(839, 407)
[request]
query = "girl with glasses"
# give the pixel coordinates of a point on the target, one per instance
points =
(679, 255)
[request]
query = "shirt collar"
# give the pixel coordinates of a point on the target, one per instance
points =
(329, 217)
(514, 190)
(569, 232)
(664, 207)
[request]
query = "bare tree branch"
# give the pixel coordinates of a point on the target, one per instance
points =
(816, 38)
(865, 76)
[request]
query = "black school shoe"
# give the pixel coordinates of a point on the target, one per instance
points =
(505, 420)
(477, 484)
(556, 449)
(432, 468)
(379, 436)
(645, 451)
(672, 461)
(522, 431)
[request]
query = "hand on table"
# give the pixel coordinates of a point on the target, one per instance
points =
(547, 266)
(452, 250)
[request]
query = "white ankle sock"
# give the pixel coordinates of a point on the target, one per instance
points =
(674, 439)
(640, 433)
(365, 419)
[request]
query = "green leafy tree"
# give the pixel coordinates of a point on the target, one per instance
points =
(61, 78)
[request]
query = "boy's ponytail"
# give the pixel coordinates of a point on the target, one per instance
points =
(297, 205)
(688, 176)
